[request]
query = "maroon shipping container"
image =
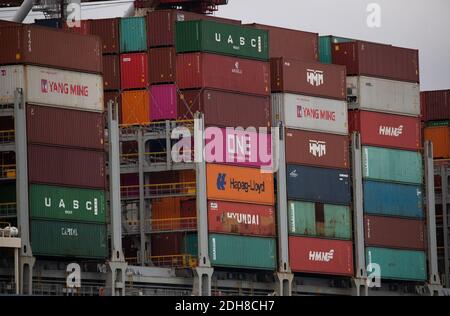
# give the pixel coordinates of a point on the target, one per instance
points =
(201, 70)
(317, 149)
(377, 60)
(62, 127)
(66, 167)
(30, 44)
(225, 109)
(108, 30)
(308, 78)
(391, 232)
(436, 105)
(162, 65)
(161, 25)
(291, 44)
(169, 244)
(111, 72)
(115, 96)
(134, 71)
(188, 208)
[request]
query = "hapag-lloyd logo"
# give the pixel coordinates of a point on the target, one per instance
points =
(391, 131)
(79, 90)
(316, 114)
(321, 256)
(314, 77)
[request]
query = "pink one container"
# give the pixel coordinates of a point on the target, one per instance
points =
(163, 102)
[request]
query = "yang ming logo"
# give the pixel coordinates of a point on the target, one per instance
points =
(221, 181)
(44, 86)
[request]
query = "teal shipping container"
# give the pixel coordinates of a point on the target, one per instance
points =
(224, 39)
(392, 165)
(319, 220)
(325, 46)
(133, 35)
(406, 265)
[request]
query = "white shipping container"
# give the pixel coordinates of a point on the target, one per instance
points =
(382, 95)
(310, 113)
(52, 87)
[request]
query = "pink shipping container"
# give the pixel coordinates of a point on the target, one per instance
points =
(164, 102)
(134, 71)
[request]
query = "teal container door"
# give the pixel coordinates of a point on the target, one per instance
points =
(133, 35)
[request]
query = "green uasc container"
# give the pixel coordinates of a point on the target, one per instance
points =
(224, 39)
(326, 45)
(133, 35)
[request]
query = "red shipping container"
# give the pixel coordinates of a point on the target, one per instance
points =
(386, 130)
(308, 78)
(108, 30)
(241, 219)
(63, 127)
(134, 71)
(162, 65)
(111, 72)
(321, 256)
(317, 149)
(66, 167)
(169, 244)
(84, 28)
(201, 70)
(377, 60)
(436, 105)
(225, 109)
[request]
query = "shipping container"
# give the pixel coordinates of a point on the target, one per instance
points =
(436, 105)
(133, 34)
(310, 113)
(319, 220)
(326, 45)
(135, 107)
(293, 44)
(52, 87)
(241, 219)
(67, 204)
(83, 27)
(161, 25)
(63, 127)
(134, 71)
(54, 23)
(225, 109)
(29, 44)
(392, 165)
(378, 60)
(393, 199)
(238, 184)
(382, 95)
(68, 239)
(440, 136)
(317, 149)
(392, 232)
(66, 167)
(202, 70)
(164, 102)
(395, 264)
(167, 244)
(108, 31)
(111, 72)
(320, 185)
(386, 130)
(166, 214)
(162, 65)
(321, 256)
(308, 78)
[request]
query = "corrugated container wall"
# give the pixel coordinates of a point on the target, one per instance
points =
(111, 72)
(133, 34)
(135, 107)
(134, 71)
(162, 65)
(108, 31)
(440, 136)
(164, 99)
(326, 45)
(436, 105)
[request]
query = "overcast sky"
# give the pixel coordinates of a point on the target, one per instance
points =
(420, 24)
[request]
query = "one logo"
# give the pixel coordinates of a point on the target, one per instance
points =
(44, 86)
(221, 182)
(317, 148)
(314, 77)
(236, 69)
(391, 131)
(321, 256)
(293, 173)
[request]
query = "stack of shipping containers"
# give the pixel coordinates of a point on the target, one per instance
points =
(383, 95)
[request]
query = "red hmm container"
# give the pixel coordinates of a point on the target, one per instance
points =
(66, 167)
(111, 72)
(308, 78)
(377, 60)
(317, 149)
(436, 105)
(321, 256)
(202, 70)
(63, 127)
(225, 109)
(43, 46)
(392, 232)
(108, 30)
(241, 219)
(162, 65)
(386, 130)
(134, 71)
(291, 44)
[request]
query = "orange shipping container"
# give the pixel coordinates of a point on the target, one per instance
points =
(135, 107)
(440, 136)
(166, 208)
(237, 184)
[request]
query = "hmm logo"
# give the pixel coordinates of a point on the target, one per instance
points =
(236, 69)
(391, 131)
(293, 174)
(321, 256)
(221, 181)
(44, 86)
(314, 77)
(317, 148)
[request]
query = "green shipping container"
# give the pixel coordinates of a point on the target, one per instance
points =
(399, 264)
(133, 35)
(190, 245)
(225, 39)
(67, 204)
(319, 220)
(437, 123)
(68, 239)
(392, 165)
(325, 46)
